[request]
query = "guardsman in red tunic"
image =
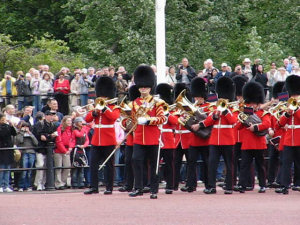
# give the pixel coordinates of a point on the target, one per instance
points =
(198, 145)
(103, 139)
(254, 144)
(165, 92)
(222, 139)
(127, 124)
(275, 133)
(291, 119)
(182, 135)
(239, 81)
(149, 113)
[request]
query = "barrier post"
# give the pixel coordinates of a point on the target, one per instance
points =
(50, 168)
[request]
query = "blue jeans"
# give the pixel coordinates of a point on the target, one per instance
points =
(21, 104)
(28, 160)
(87, 170)
(77, 177)
(36, 104)
(220, 168)
(84, 99)
(118, 173)
(4, 176)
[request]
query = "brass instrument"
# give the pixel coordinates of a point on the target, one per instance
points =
(101, 102)
(292, 103)
(84, 109)
(184, 104)
(125, 108)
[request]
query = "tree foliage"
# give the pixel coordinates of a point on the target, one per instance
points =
(122, 32)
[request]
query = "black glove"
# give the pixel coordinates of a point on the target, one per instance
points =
(104, 109)
(95, 114)
(225, 112)
(215, 116)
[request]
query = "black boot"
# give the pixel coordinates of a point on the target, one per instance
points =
(210, 191)
(153, 196)
(136, 193)
(91, 191)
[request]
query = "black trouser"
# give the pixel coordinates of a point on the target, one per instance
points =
(273, 163)
(247, 159)
(179, 153)
(215, 151)
(140, 153)
(128, 167)
(168, 156)
(63, 103)
(236, 162)
(99, 154)
(194, 152)
(279, 174)
(289, 155)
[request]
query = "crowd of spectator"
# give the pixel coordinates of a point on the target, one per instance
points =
(48, 110)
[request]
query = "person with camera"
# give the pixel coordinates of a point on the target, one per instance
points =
(25, 138)
(45, 132)
(22, 90)
(185, 73)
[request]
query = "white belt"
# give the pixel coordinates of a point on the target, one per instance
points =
(104, 126)
(222, 126)
(293, 126)
(166, 130)
(182, 131)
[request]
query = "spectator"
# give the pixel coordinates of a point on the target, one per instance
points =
(91, 73)
(247, 68)
(121, 86)
(211, 80)
(281, 75)
(85, 84)
(46, 87)
(22, 90)
(62, 152)
(28, 81)
(105, 71)
(26, 139)
(6, 156)
(61, 90)
(208, 67)
(75, 90)
(296, 70)
(287, 65)
(35, 85)
(261, 78)
(171, 76)
(45, 132)
(255, 66)
(9, 113)
(271, 79)
(27, 115)
(8, 87)
(186, 73)
(126, 76)
(238, 72)
(222, 73)
(53, 105)
(118, 154)
(80, 141)
(111, 72)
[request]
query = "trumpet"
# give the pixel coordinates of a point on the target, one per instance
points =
(101, 102)
(81, 110)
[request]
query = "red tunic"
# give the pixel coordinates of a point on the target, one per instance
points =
(148, 134)
(222, 131)
(168, 137)
(195, 139)
(292, 135)
(249, 139)
(282, 132)
(104, 131)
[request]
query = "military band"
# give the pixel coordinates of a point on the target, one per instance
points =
(178, 122)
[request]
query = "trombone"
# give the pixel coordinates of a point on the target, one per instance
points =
(101, 102)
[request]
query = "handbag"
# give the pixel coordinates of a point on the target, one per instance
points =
(79, 158)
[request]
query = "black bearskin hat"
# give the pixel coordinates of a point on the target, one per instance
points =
(144, 76)
(105, 87)
(239, 81)
(179, 87)
(165, 90)
(253, 92)
(225, 88)
(293, 85)
(133, 93)
(198, 88)
(277, 88)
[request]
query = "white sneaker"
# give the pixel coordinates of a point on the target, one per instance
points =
(39, 187)
(29, 189)
(20, 190)
(1, 189)
(7, 190)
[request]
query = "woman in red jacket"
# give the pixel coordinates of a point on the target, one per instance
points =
(62, 152)
(61, 90)
(253, 144)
